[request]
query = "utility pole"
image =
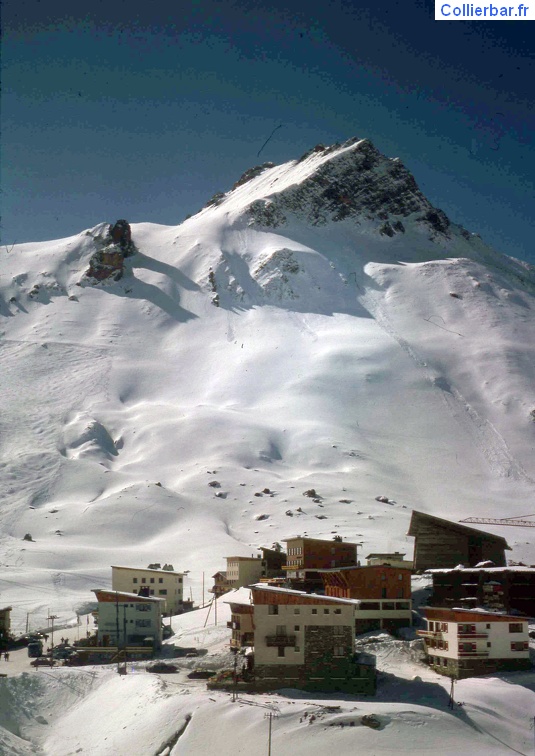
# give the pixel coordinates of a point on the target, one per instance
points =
(52, 617)
(451, 702)
(117, 629)
(124, 633)
(235, 675)
(269, 717)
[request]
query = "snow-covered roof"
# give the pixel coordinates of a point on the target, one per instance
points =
(462, 568)
(302, 594)
(146, 569)
(124, 594)
(238, 596)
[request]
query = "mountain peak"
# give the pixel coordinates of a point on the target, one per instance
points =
(332, 183)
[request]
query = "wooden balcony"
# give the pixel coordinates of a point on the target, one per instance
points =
(469, 636)
(280, 640)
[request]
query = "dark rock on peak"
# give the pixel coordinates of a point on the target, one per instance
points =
(358, 183)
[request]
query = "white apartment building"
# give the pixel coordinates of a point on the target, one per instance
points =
(465, 642)
(128, 619)
(242, 571)
(164, 584)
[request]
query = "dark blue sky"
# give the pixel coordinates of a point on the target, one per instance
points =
(144, 111)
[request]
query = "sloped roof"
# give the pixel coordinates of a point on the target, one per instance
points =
(420, 518)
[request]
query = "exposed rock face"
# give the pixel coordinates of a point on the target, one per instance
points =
(358, 183)
(108, 260)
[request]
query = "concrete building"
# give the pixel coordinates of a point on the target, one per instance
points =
(126, 619)
(243, 570)
(443, 544)
(165, 584)
(384, 595)
(305, 556)
(502, 589)
(307, 641)
(464, 643)
(241, 618)
(5, 625)
(392, 559)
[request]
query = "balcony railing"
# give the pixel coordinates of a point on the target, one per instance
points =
(473, 635)
(429, 634)
(473, 653)
(280, 640)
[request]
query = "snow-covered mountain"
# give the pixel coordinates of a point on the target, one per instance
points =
(321, 325)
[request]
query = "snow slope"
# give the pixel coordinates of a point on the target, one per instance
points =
(93, 710)
(337, 359)
(318, 326)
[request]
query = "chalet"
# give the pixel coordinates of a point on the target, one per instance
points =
(5, 625)
(128, 619)
(307, 641)
(221, 584)
(502, 589)
(305, 556)
(392, 559)
(465, 643)
(384, 595)
(164, 583)
(441, 544)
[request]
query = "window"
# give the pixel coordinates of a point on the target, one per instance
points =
(297, 610)
(401, 593)
(142, 607)
(444, 662)
(338, 611)
(152, 580)
(297, 628)
(281, 630)
(388, 606)
(400, 577)
(519, 645)
(488, 625)
(338, 630)
(163, 591)
(431, 626)
(297, 648)
(134, 580)
(515, 627)
(143, 623)
(326, 611)
(489, 644)
(143, 580)
(383, 577)
(280, 651)
(367, 605)
(273, 609)
(383, 592)
(160, 580)
(338, 651)
(152, 592)
(314, 611)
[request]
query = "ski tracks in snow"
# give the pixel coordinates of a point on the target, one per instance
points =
(484, 435)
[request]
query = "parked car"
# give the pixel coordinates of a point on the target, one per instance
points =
(43, 661)
(162, 667)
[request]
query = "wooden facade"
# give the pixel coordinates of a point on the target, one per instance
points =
(505, 590)
(443, 544)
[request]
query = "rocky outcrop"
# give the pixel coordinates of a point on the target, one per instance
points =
(107, 263)
(359, 183)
